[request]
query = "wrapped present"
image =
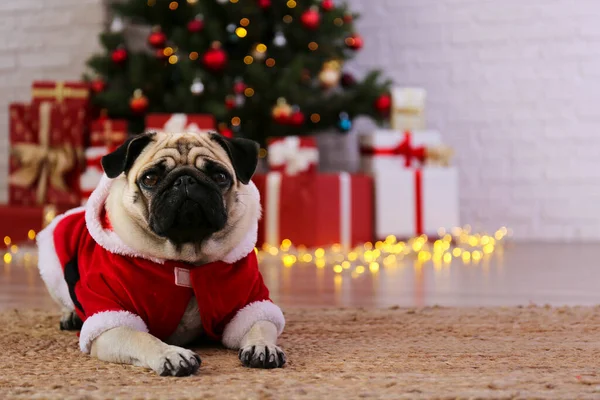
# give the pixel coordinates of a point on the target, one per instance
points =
(22, 223)
(408, 108)
(70, 93)
(387, 149)
(293, 155)
(46, 142)
(109, 133)
(416, 191)
(415, 201)
(180, 122)
(93, 171)
(105, 136)
(315, 210)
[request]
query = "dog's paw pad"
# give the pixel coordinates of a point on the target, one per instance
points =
(177, 361)
(70, 322)
(262, 356)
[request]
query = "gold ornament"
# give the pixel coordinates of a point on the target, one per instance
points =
(330, 74)
(282, 109)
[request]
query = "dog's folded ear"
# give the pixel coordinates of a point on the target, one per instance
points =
(121, 160)
(243, 154)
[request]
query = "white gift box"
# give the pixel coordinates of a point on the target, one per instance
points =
(408, 108)
(410, 198)
(380, 149)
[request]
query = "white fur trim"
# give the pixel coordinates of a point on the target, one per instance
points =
(108, 239)
(248, 243)
(49, 265)
(101, 322)
(248, 316)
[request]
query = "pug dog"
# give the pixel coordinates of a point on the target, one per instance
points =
(163, 253)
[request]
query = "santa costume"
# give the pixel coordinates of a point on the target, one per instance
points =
(89, 269)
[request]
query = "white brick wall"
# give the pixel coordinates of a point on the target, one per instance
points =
(41, 40)
(513, 85)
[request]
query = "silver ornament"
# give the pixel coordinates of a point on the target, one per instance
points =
(197, 87)
(117, 25)
(279, 40)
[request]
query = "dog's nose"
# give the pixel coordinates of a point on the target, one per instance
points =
(185, 180)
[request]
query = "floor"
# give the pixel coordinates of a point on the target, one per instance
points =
(556, 274)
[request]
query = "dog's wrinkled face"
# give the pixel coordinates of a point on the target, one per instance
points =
(184, 188)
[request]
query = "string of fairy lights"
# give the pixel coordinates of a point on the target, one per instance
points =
(458, 244)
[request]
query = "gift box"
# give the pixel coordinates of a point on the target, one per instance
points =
(293, 155)
(389, 149)
(408, 108)
(416, 191)
(315, 210)
(22, 223)
(46, 142)
(70, 93)
(180, 122)
(415, 201)
(106, 135)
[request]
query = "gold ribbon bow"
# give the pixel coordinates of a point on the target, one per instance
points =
(60, 92)
(42, 163)
(439, 155)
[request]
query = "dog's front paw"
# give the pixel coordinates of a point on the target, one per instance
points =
(70, 321)
(176, 361)
(262, 356)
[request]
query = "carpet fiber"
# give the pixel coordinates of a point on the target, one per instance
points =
(433, 353)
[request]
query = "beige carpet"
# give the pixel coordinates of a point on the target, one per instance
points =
(433, 353)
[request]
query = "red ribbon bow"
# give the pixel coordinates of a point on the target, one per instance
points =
(404, 148)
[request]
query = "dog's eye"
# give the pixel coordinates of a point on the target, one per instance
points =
(150, 180)
(220, 179)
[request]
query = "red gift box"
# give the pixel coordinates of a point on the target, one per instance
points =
(180, 122)
(109, 133)
(293, 155)
(317, 210)
(18, 221)
(106, 135)
(71, 93)
(46, 142)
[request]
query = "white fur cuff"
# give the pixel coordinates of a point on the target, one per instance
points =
(248, 316)
(101, 322)
(49, 265)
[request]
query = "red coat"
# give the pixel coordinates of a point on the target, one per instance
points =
(108, 289)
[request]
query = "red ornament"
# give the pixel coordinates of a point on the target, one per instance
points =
(264, 3)
(311, 18)
(230, 102)
(297, 118)
(239, 87)
(139, 102)
(347, 18)
(348, 80)
(215, 59)
(327, 5)
(282, 119)
(195, 25)
(355, 42)
(98, 85)
(383, 104)
(157, 39)
(160, 54)
(228, 133)
(119, 56)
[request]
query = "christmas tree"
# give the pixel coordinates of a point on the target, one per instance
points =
(262, 68)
